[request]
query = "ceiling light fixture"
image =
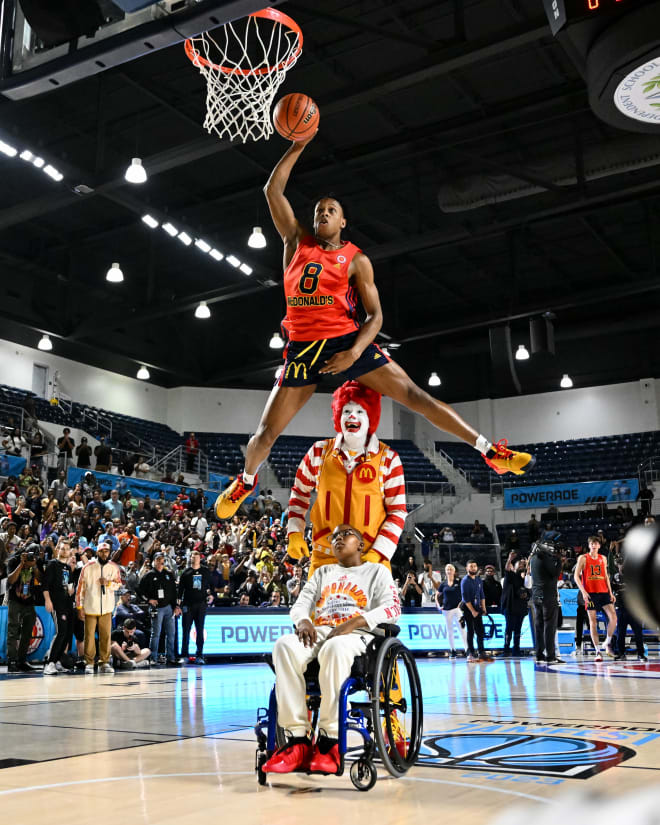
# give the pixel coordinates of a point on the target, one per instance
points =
(201, 244)
(566, 382)
(7, 149)
(114, 275)
(45, 343)
(276, 341)
(233, 260)
(143, 373)
(257, 239)
(185, 238)
(245, 269)
(522, 353)
(202, 310)
(170, 229)
(151, 222)
(53, 173)
(216, 255)
(434, 380)
(136, 173)
(38, 162)
(26, 154)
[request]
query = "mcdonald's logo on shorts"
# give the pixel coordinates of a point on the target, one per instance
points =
(366, 474)
(296, 369)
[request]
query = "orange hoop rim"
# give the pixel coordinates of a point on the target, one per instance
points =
(269, 14)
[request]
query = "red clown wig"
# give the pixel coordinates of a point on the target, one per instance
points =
(354, 392)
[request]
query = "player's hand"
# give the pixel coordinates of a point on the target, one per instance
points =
(302, 143)
(306, 632)
(297, 547)
(339, 362)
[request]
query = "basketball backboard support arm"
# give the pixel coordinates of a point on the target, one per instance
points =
(26, 73)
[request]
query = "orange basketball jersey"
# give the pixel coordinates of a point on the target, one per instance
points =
(320, 302)
(593, 575)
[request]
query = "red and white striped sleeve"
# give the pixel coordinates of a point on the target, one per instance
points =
(394, 499)
(305, 482)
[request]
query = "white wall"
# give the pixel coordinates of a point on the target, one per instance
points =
(238, 411)
(89, 385)
(577, 413)
(555, 416)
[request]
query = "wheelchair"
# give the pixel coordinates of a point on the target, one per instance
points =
(389, 719)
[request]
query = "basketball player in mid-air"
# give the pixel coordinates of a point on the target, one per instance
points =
(323, 278)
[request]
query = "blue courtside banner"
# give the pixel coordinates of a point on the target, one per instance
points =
(42, 634)
(569, 601)
(11, 465)
(137, 486)
(584, 492)
(252, 631)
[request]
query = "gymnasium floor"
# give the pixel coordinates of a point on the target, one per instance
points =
(177, 745)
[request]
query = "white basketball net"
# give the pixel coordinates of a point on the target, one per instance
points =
(244, 67)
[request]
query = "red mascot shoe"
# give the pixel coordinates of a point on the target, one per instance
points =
(290, 758)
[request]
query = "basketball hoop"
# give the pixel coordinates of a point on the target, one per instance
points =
(244, 64)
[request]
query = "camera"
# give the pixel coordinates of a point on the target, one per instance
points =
(641, 573)
(29, 555)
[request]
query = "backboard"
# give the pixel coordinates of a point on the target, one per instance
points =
(30, 66)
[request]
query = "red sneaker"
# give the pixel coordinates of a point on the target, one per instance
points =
(503, 460)
(325, 762)
(290, 758)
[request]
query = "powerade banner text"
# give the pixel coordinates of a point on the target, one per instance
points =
(252, 631)
(11, 465)
(585, 492)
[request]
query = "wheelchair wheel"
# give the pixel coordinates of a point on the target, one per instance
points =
(363, 774)
(396, 702)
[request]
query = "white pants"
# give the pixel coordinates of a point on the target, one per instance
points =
(452, 621)
(291, 657)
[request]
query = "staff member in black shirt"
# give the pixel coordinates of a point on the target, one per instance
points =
(21, 613)
(545, 564)
(195, 592)
(58, 599)
(515, 602)
(158, 587)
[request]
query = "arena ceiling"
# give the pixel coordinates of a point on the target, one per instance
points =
(459, 133)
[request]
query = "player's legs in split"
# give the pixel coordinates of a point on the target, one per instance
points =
(393, 381)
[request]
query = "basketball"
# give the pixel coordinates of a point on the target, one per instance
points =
(296, 116)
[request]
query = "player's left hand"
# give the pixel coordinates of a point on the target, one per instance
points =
(339, 362)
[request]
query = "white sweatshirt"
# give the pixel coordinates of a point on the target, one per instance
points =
(336, 594)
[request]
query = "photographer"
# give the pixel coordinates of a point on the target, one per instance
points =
(474, 607)
(411, 592)
(21, 615)
(515, 599)
(127, 646)
(623, 616)
(545, 563)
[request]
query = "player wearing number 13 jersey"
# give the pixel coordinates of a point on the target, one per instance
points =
(324, 278)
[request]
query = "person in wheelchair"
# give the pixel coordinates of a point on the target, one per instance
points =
(332, 616)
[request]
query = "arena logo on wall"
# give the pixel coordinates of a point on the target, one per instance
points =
(638, 94)
(37, 636)
(582, 492)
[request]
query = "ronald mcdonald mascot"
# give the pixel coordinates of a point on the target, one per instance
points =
(358, 481)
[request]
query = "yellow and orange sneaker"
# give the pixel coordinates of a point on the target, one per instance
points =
(503, 460)
(231, 499)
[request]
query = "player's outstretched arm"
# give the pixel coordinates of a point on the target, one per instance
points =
(281, 211)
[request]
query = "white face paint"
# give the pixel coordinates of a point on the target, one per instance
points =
(354, 426)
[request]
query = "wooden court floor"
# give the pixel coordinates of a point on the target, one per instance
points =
(177, 745)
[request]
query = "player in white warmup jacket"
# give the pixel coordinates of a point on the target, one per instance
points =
(337, 605)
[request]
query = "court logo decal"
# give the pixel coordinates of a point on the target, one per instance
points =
(37, 636)
(622, 670)
(527, 753)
